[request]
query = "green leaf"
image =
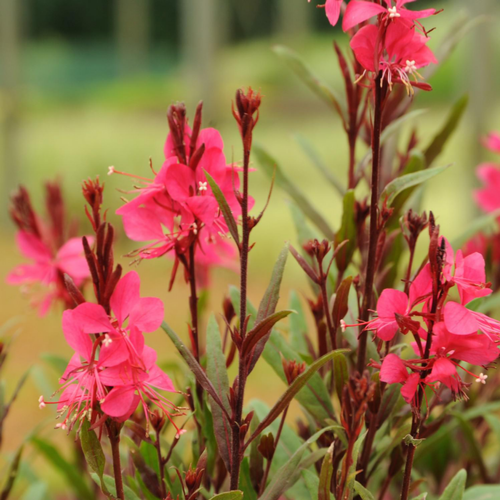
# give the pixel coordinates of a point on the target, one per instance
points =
(246, 482)
(482, 492)
(224, 208)
(110, 485)
(269, 302)
(298, 325)
(12, 474)
(325, 478)
(270, 165)
(313, 155)
(234, 295)
(292, 390)
(67, 469)
(262, 329)
(59, 363)
(93, 453)
(456, 487)
(409, 439)
(217, 373)
(314, 397)
(437, 145)
(37, 491)
(409, 180)
(483, 223)
(287, 474)
(362, 491)
(230, 495)
(323, 91)
(347, 231)
(355, 452)
(304, 232)
(193, 365)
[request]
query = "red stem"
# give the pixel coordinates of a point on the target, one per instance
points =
(114, 438)
(374, 233)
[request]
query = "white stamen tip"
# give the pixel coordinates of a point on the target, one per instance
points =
(111, 170)
(393, 12)
(410, 67)
(482, 378)
(202, 186)
(107, 340)
(342, 325)
(41, 403)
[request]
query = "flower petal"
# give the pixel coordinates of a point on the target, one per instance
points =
(125, 296)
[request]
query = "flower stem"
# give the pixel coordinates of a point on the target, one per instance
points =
(242, 371)
(114, 438)
(374, 232)
(161, 465)
(193, 301)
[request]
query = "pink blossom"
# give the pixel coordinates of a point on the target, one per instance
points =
(48, 267)
(462, 321)
(404, 51)
(332, 10)
(492, 142)
(393, 371)
(487, 197)
(359, 11)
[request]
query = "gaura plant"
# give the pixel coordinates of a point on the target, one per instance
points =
(390, 368)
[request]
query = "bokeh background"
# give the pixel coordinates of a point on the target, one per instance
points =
(85, 85)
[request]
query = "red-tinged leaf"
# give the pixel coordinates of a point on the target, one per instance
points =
(195, 367)
(269, 302)
(341, 304)
(325, 478)
(340, 374)
(224, 208)
(217, 373)
(92, 450)
(287, 397)
(304, 265)
(262, 329)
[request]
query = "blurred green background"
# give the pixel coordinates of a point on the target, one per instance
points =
(85, 85)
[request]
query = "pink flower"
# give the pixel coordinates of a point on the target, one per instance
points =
(404, 51)
(48, 267)
(492, 142)
(359, 11)
(487, 197)
(468, 275)
(462, 321)
(332, 10)
(394, 307)
(394, 371)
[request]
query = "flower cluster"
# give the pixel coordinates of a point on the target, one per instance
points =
(177, 209)
(112, 370)
(50, 248)
(394, 48)
(457, 332)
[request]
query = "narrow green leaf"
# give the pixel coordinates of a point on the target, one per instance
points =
(287, 474)
(314, 396)
(230, 495)
(37, 491)
(323, 91)
(390, 131)
(325, 478)
(286, 398)
(482, 492)
(270, 165)
(217, 373)
(313, 155)
(340, 374)
(224, 208)
(355, 453)
(234, 295)
(437, 145)
(347, 231)
(193, 365)
(298, 325)
(456, 487)
(482, 223)
(362, 491)
(245, 481)
(59, 363)
(268, 304)
(409, 180)
(93, 452)
(72, 475)
(12, 474)
(110, 485)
